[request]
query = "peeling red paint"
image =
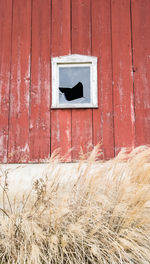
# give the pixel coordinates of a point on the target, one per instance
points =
(31, 33)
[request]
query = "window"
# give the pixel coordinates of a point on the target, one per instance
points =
(74, 82)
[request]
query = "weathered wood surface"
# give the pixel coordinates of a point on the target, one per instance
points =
(141, 66)
(18, 141)
(103, 127)
(34, 31)
(61, 45)
(39, 127)
(124, 119)
(81, 44)
(5, 64)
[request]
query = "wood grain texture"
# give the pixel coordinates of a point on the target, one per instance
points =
(101, 47)
(18, 149)
(40, 81)
(124, 119)
(81, 44)
(5, 61)
(141, 59)
(61, 45)
(34, 31)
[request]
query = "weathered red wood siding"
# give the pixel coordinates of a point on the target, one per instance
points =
(5, 66)
(39, 123)
(18, 134)
(34, 31)
(122, 75)
(141, 65)
(81, 44)
(103, 126)
(61, 44)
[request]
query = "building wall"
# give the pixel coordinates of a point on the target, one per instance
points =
(34, 31)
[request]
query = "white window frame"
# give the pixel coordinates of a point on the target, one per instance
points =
(74, 60)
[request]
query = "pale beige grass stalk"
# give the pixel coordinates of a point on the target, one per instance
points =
(101, 214)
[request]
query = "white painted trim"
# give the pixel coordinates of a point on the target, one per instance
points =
(74, 60)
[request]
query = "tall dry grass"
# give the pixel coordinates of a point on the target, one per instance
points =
(100, 214)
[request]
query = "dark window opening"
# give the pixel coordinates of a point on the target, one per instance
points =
(73, 93)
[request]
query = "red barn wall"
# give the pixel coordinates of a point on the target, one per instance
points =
(33, 31)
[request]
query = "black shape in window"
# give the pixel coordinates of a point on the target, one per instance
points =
(72, 93)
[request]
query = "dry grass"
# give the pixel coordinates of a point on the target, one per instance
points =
(101, 215)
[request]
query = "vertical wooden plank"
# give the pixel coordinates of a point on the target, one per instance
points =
(61, 45)
(5, 60)
(101, 47)
(81, 44)
(40, 82)
(141, 60)
(20, 82)
(124, 119)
